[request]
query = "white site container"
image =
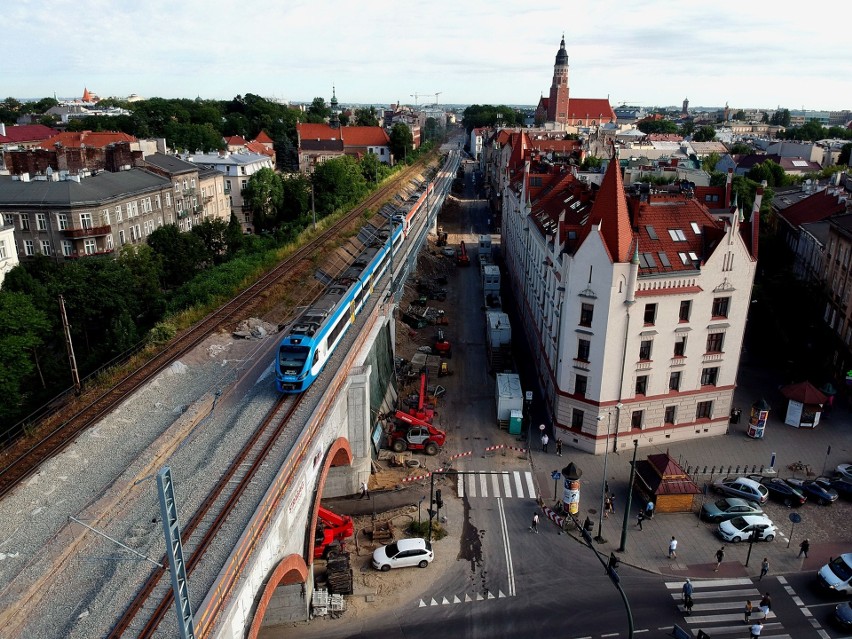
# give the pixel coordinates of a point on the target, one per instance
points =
(490, 278)
(510, 396)
(499, 329)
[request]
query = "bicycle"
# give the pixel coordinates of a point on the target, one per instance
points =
(799, 467)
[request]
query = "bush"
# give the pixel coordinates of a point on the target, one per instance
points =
(162, 332)
(422, 530)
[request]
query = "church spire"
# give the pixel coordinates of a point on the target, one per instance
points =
(557, 106)
(334, 120)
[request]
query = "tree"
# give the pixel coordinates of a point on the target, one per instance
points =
(338, 183)
(687, 128)
(770, 171)
(145, 268)
(234, 235)
(591, 162)
(781, 117)
(740, 148)
(401, 141)
(319, 111)
(23, 329)
(181, 254)
(295, 197)
(213, 235)
(845, 151)
(657, 126)
(9, 110)
(710, 161)
(477, 115)
(366, 117)
(263, 196)
(706, 133)
(373, 169)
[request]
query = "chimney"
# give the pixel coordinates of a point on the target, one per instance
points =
(2, 128)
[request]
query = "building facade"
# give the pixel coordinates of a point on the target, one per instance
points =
(634, 307)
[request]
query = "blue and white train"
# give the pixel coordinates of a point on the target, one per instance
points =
(312, 338)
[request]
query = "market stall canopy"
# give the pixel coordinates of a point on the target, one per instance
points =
(660, 478)
(804, 392)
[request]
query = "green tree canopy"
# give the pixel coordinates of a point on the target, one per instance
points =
(337, 183)
(477, 115)
(182, 254)
(401, 142)
(263, 196)
(657, 126)
(706, 133)
(319, 111)
(24, 327)
(771, 172)
(366, 117)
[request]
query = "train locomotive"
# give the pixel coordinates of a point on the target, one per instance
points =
(312, 338)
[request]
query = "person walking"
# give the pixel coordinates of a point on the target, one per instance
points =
(534, 524)
(687, 589)
(764, 568)
(673, 548)
(747, 611)
(756, 629)
(765, 605)
(544, 440)
(559, 447)
(649, 509)
(611, 503)
(639, 519)
(687, 605)
(607, 506)
(804, 547)
(364, 491)
(720, 557)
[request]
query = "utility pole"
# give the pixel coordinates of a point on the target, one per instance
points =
(69, 346)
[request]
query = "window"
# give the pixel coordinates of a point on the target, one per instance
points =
(583, 349)
(25, 222)
(581, 384)
(636, 419)
(168, 200)
(587, 311)
(121, 239)
(671, 412)
(9, 219)
(109, 242)
(714, 342)
(577, 418)
(29, 247)
(45, 247)
(684, 258)
(41, 221)
(227, 186)
(118, 217)
(704, 410)
(129, 209)
(674, 381)
(650, 313)
(3, 255)
(642, 385)
(89, 246)
(720, 306)
(243, 184)
(192, 183)
(645, 349)
(680, 347)
(685, 308)
(177, 187)
(677, 235)
(157, 200)
(135, 208)
(695, 228)
(67, 248)
(709, 376)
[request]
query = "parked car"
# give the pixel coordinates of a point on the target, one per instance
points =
(402, 554)
(843, 615)
(739, 528)
(842, 486)
(728, 508)
(742, 487)
(836, 575)
(780, 490)
(845, 471)
(823, 495)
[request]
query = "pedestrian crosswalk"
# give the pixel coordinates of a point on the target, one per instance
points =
(719, 605)
(497, 484)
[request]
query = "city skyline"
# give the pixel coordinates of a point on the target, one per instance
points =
(467, 53)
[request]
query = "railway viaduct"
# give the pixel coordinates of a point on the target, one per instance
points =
(268, 576)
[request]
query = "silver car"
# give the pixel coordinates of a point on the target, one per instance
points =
(742, 487)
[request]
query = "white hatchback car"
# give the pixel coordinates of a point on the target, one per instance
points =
(740, 528)
(402, 554)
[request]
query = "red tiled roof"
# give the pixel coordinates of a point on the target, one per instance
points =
(94, 139)
(815, 208)
(257, 147)
(611, 213)
(263, 138)
(804, 392)
(28, 133)
(590, 109)
(235, 140)
(365, 136)
(310, 131)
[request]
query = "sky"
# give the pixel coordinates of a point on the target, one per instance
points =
(641, 52)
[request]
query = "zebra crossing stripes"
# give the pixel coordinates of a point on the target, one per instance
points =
(506, 484)
(718, 606)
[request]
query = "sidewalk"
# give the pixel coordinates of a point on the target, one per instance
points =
(698, 541)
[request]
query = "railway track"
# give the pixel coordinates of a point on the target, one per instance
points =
(53, 442)
(155, 599)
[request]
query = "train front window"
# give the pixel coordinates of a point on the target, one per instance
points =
(293, 357)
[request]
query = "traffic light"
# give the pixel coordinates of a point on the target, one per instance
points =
(439, 501)
(613, 562)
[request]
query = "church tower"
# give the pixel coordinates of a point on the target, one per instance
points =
(557, 106)
(334, 120)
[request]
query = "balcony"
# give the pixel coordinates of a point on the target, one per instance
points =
(581, 364)
(643, 364)
(712, 357)
(92, 231)
(78, 254)
(677, 360)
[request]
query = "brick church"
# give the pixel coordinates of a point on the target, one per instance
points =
(560, 111)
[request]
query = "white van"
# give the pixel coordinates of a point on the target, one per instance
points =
(836, 575)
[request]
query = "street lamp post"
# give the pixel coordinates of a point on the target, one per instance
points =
(600, 538)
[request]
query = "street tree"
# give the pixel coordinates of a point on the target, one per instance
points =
(401, 142)
(263, 196)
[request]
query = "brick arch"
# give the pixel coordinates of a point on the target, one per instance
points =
(339, 454)
(290, 570)
(293, 569)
